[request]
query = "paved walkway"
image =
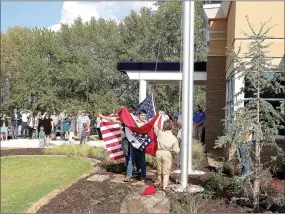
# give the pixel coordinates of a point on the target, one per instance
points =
(34, 143)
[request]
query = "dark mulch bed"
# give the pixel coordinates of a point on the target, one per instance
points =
(93, 197)
(222, 206)
(106, 197)
(89, 197)
(27, 151)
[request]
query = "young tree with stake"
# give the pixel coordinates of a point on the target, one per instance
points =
(261, 120)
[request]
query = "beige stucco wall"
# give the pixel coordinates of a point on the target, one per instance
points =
(276, 48)
(218, 47)
(257, 12)
(230, 32)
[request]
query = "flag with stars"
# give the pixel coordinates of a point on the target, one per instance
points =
(142, 138)
(139, 141)
(148, 105)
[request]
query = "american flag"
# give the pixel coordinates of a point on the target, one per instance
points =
(112, 136)
(139, 141)
(144, 139)
(148, 106)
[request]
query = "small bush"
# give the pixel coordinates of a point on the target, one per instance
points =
(235, 187)
(274, 190)
(214, 184)
(217, 184)
(198, 155)
(187, 203)
(94, 137)
(76, 151)
(150, 161)
(232, 167)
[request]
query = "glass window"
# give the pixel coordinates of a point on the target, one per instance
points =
(229, 101)
(276, 105)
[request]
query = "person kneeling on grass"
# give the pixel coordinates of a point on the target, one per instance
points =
(42, 137)
(167, 143)
(84, 134)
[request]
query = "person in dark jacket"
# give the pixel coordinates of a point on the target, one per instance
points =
(15, 120)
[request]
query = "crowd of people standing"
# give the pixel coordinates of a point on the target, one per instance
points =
(69, 126)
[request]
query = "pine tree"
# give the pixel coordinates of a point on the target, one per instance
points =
(261, 119)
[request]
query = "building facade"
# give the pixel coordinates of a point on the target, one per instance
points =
(226, 25)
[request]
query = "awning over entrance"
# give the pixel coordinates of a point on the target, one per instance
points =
(166, 73)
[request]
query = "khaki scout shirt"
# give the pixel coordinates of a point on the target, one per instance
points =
(166, 140)
(140, 123)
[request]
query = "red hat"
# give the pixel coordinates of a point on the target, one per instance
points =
(149, 190)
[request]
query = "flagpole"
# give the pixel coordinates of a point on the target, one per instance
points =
(191, 86)
(185, 92)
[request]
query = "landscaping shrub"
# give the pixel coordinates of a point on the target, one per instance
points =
(235, 187)
(198, 155)
(94, 137)
(76, 151)
(218, 184)
(232, 167)
(186, 203)
(214, 184)
(150, 161)
(274, 191)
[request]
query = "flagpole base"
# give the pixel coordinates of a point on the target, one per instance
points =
(190, 172)
(190, 188)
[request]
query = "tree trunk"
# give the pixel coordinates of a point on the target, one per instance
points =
(256, 187)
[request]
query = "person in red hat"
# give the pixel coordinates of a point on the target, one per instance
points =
(166, 143)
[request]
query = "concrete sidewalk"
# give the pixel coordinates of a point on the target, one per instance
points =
(34, 143)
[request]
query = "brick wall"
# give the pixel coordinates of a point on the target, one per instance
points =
(215, 99)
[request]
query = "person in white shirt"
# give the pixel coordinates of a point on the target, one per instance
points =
(25, 115)
(83, 118)
(55, 120)
(98, 121)
(31, 126)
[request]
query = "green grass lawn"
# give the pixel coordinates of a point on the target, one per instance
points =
(24, 180)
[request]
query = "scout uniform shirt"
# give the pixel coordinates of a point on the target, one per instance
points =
(166, 140)
(139, 122)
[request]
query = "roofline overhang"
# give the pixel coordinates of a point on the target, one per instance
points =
(217, 12)
(158, 66)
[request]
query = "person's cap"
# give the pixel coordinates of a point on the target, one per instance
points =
(149, 190)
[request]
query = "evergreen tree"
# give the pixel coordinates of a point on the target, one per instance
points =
(261, 119)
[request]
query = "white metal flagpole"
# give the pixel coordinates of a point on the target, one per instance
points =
(191, 86)
(185, 93)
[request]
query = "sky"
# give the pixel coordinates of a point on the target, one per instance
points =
(50, 14)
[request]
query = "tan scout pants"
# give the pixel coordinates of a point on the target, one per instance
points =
(163, 162)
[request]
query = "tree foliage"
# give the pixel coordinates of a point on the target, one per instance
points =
(261, 119)
(76, 67)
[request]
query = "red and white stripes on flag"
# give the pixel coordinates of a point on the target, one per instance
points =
(112, 136)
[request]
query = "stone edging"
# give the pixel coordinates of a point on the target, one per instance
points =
(47, 198)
